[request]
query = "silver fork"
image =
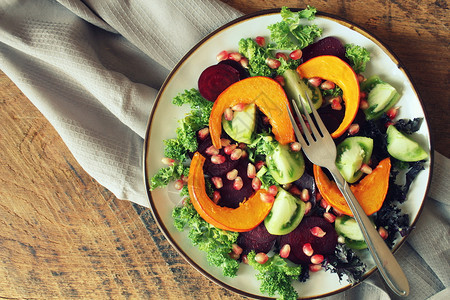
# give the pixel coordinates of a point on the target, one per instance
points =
(320, 149)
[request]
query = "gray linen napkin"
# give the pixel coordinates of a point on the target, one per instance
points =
(93, 68)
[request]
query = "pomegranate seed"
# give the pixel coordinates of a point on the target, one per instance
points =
(260, 40)
(329, 217)
(238, 107)
(296, 54)
(217, 181)
(244, 62)
(211, 150)
(318, 196)
(317, 259)
(236, 249)
(392, 113)
(184, 178)
(285, 250)
(260, 164)
(244, 154)
(362, 95)
(233, 255)
(317, 231)
(244, 259)
(315, 81)
(273, 63)
(236, 56)
(228, 114)
(238, 183)
(279, 55)
(366, 169)
(273, 190)
(266, 120)
(236, 154)
(229, 149)
(216, 197)
(267, 197)
(223, 55)
(336, 104)
(353, 129)
(296, 147)
(225, 142)
(305, 195)
(280, 80)
(337, 212)
(327, 85)
(203, 133)
(363, 104)
(341, 239)
(217, 159)
(324, 203)
(360, 78)
(314, 268)
(242, 146)
(261, 258)
(251, 170)
(167, 161)
(383, 233)
(307, 249)
(179, 184)
(256, 183)
(308, 207)
(231, 175)
(295, 191)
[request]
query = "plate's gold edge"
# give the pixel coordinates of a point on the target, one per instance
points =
(235, 22)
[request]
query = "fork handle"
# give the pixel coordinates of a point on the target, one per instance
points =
(384, 259)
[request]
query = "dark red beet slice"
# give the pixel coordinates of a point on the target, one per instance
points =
(307, 182)
(259, 234)
(213, 169)
(243, 73)
(248, 245)
(326, 46)
(231, 197)
(302, 235)
(215, 79)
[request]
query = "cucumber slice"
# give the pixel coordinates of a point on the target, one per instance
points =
(241, 127)
(284, 165)
(348, 228)
(351, 154)
(286, 213)
(295, 89)
(381, 98)
(370, 83)
(355, 245)
(403, 147)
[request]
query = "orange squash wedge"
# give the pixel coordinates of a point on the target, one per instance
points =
(334, 69)
(269, 97)
(370, 191)
(244, 218)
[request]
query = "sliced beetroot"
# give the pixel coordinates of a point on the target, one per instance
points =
(307, 182)
(326, 46)
(331, 118)
(248, 245)
(243, 73)
(302, 234)
(215, 79)
(212, 169)
(259, 234)
(230, 197)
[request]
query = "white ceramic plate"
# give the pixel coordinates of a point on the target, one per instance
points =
(164, 117)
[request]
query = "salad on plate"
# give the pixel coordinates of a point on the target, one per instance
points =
(250, 196)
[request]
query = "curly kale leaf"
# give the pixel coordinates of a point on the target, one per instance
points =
(166, 175)
(358, 56)
(276, 276)
(408, 126)
(217, 243)
(256, 56)
(289, 34)
(186, 140)
(346, 262)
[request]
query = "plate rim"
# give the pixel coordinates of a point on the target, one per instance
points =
(349, 24)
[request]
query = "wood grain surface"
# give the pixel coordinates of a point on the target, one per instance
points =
(65, 236)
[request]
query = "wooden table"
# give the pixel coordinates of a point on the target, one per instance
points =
(65, 236)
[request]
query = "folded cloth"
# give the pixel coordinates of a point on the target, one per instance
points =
(93, 68)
